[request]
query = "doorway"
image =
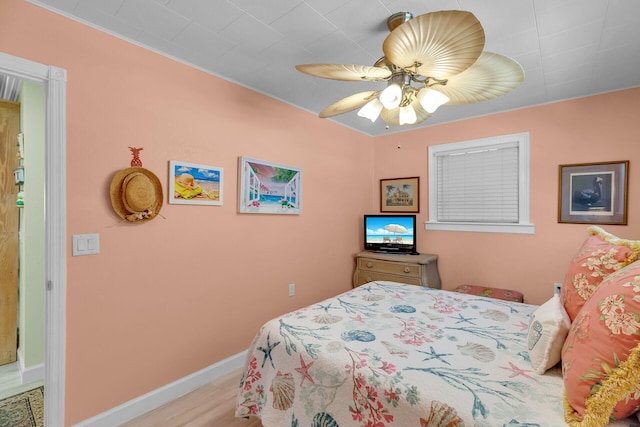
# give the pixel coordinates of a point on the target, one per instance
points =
(22, 319)
(9, 227)
(54, 81)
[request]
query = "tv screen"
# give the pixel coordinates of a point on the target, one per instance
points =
(394, 234)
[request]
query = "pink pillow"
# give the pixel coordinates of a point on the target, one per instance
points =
(600, 255)
(600, 361)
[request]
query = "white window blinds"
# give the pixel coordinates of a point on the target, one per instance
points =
(478, 185)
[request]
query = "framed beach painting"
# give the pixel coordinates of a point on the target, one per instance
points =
(195, 184)
(400, 195)
(271, 188)
(593, 193)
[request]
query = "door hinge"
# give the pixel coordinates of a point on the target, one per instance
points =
(49, 285)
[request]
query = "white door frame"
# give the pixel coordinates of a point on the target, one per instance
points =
(54, 81)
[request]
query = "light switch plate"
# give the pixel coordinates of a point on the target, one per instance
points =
(86, 244)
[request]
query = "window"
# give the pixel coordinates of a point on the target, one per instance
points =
(480, 185)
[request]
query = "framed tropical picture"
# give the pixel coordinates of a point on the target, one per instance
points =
(195, 184)
(400, 195)
(271, 188)
(593, 193)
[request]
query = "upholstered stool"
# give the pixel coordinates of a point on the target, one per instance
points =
(497, 293)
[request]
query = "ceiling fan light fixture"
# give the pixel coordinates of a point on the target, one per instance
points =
(407, 115)
(442, 49)
(431, 99)
(391, 96)
(371, 110)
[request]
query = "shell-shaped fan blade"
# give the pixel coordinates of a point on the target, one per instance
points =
(392, 117)
(491, 76)
(347, 72)
(347, 104)
(441, 44)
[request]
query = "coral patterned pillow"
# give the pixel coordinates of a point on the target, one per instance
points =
(601, 355)
(600, 255)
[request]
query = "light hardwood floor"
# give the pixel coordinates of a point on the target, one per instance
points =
(212, 405)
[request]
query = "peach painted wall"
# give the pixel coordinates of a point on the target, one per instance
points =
(167, 298)
(593, 129)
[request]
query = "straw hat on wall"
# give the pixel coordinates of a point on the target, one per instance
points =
(136, 194)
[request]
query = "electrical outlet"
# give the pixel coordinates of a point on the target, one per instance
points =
(292, 289)
(556, 288)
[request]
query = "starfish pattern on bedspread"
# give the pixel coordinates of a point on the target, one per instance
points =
(518, 371)
(432, 354)
(267, 351)
(304, 371)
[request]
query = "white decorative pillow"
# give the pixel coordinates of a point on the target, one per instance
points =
(548, 329)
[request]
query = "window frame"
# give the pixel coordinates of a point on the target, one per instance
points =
(523, 226)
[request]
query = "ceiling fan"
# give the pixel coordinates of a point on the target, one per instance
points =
(441, 53)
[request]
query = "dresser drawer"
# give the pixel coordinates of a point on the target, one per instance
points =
(374, 265)
(363, 277)
(416, 269)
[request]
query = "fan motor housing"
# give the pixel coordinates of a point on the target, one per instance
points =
(398, 18)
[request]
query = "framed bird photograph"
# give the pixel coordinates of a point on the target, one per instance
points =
(593, 193)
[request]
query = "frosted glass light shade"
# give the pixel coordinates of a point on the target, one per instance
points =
(407, 115)
(350, 103)
(371, 110)
(391, 96)
(431, 99)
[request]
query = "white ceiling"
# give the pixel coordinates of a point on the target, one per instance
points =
(568, 48)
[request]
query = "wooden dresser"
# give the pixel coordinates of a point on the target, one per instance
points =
(420, 270)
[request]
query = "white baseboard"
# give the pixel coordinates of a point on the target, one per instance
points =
(30, 374)
(158, 397)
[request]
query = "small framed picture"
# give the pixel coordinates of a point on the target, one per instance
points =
(593, 193)
(271, 188)
(400, 195)
(195, 184)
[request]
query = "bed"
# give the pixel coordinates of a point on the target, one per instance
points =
(391, 354)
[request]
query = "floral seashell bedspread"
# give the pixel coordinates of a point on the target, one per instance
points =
(389, 354)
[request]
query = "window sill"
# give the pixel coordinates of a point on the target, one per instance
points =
(481, 228)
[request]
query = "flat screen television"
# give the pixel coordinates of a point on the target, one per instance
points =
(393, 234)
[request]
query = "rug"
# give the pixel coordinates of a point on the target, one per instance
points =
(23, 410)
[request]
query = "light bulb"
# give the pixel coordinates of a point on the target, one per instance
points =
(371, 110)
(431, 99)
(407, 115)
(391, 96)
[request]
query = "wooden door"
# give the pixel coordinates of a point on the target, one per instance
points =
(9, 223)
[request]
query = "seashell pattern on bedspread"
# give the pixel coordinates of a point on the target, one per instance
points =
(387, 354)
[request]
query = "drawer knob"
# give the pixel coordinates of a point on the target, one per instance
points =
(407, 270)
(369, 264)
